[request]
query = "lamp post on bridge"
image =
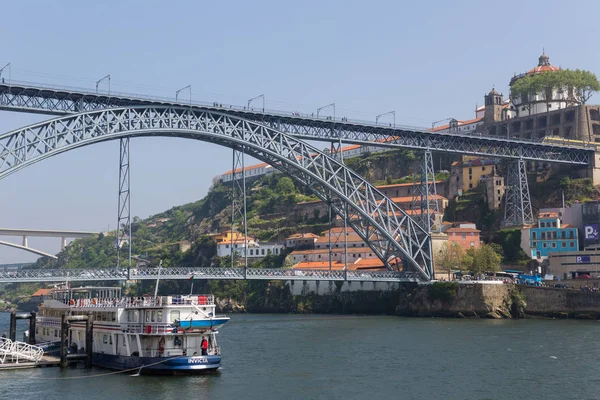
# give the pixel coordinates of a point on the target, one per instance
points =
(100, 80)
(182, 89)
(393, 113)
(255, 98)
(2, 69)
(434, 123)
(328, 105)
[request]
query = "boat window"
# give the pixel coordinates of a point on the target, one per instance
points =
(147, 316)
(56, 333)
(174, 315)
(105, 339)
(113, 316)
(136, 316)
(104, 316)
(153, 318)
(159, 316)
(110, 339)
(129, 316)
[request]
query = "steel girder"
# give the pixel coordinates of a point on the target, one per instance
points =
(54, 100)
(517, 210)
(79, 275)
(392, 235)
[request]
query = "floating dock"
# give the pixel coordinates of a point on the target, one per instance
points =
(46, 361)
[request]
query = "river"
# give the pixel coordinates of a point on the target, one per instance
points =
(357, 357)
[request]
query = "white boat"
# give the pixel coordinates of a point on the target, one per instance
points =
(159, 334)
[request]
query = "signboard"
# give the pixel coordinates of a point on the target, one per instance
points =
(591, 232)
(582, 259)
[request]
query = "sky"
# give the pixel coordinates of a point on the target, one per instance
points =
(427, 60)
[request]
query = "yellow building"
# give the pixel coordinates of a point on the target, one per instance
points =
(227, 236)
(469, 174)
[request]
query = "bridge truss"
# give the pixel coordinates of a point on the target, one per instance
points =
(177, 273)
(37, 98)
(399, 242)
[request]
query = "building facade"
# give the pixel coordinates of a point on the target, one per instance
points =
(467, 236)
(550, 236)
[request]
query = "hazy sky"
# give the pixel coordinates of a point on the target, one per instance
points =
(426, 60)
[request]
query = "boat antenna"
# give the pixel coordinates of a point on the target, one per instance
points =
(157, 279)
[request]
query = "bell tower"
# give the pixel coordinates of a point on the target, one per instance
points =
(493, 107)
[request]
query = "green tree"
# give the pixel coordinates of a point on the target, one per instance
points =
(450, 257)
(486, 259)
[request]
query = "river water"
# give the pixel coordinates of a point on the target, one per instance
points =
(357, 357)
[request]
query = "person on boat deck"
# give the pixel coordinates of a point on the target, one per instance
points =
(4, 335)
(204, 346)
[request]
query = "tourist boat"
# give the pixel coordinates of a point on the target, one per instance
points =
(154, 334)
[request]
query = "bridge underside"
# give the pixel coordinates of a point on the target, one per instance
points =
(29, 249)
(90, 275)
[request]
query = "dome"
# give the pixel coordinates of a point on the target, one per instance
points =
(493, 92)
(543, 65)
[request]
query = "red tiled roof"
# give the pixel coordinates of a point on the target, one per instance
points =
(463, 230)
(42, 292)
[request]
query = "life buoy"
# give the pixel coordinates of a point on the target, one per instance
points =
(148, 328)
(72, 302)
(95, 300)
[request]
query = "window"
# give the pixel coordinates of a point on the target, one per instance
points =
(159, 316)
(553, 245)
(554, 224)
(262, 252)
(564, 245)
(470, 177)
(498, 191)
(542, 225)
(470, 171)
(226, 246)
(251, 252)
(470, 186)
(534, 235)
(544, 245)
(483, 168)
(464, 235)
(105, 339)
(174, 315)
(472, 244)
(572, 244)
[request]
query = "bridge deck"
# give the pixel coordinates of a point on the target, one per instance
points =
(48, 99)
(82, 275)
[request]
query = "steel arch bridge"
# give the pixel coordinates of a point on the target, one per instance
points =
(390, 232)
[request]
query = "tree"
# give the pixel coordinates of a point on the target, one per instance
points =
(450, 257)
(486, 259)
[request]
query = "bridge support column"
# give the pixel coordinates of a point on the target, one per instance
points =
(25, 241)
(336, 237)
(238, 202)
(63, 243)
(123, 232)
(425, 200)
(517, 206)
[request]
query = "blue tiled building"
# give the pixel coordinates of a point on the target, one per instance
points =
(551, 237)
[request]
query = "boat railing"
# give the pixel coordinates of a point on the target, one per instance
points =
(143, 301)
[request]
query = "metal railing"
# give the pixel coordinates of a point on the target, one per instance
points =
(15, 352)
(82, 275)
(142, 301)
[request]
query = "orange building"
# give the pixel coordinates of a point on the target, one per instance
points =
(465, 235)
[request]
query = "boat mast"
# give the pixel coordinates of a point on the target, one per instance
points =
(157, 279)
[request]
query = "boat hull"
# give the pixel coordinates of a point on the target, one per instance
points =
(183, 365)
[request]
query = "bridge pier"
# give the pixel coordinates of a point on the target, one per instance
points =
(425, 193)
(517, 206)
(63, 243)
(25, 241)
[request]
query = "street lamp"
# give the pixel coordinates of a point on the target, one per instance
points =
(100, 80)
(436, 122)
(2, 69)
(328, 105)
(183, 88)
(255, 98)
(381, 115)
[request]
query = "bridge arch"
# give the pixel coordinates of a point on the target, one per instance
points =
(390, 232)
(29, 249)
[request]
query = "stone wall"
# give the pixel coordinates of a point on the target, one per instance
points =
(454, 299)
(553, 302)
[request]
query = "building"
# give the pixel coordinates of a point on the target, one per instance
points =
(570, 264)
(469, 173)
(493, 190)
(550, 236)
(466, 235)
(236, 243)
(42, 294)
(301, 241)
